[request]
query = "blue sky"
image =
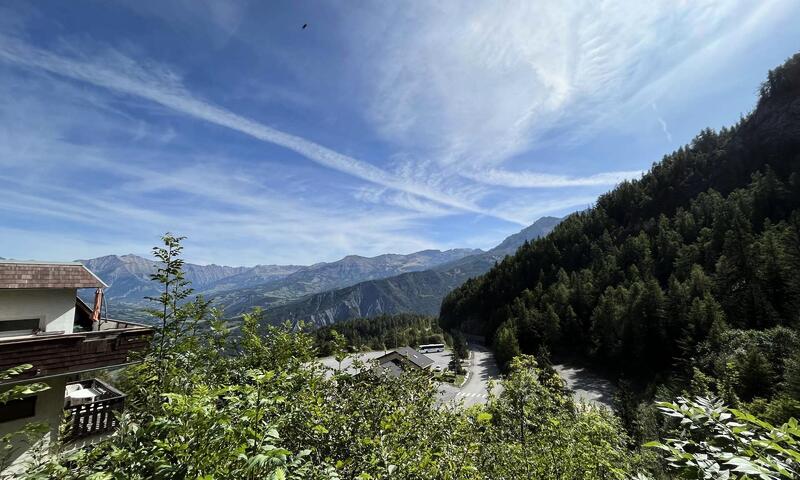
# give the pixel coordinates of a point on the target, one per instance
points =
(382, 127)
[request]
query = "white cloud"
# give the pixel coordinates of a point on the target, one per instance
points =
(458, 90)
(507, 178)
(526, 209)
(158, 84)
(476, 84)
(230, 213)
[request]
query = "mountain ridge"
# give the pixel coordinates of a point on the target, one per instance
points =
(129, 281)
(388, 282)
(414, 292)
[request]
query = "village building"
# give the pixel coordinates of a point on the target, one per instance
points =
(44, 324)
(397, 361)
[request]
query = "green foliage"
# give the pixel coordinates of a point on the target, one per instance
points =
(18, 391)
(293, 419)
(257, 405)
(455, 364)
(339, 345)
(506, 345)
(386, 331)
(206, 404)
(537, 432)
(460, 345)
(711, 441)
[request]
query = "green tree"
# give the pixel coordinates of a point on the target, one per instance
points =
(506, 344)
(339, 344)
(460, 345)
(755, 374)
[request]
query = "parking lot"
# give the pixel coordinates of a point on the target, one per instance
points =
(482, 368)
(585, 386)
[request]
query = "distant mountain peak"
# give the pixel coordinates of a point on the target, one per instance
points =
(539, 228)
(418, 291)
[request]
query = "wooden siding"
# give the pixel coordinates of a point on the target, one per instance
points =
(62, 354)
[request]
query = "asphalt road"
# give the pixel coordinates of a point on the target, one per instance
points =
(482, 368)
(586, 386)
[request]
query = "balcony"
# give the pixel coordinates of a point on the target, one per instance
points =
(108, 343)
(93, 407)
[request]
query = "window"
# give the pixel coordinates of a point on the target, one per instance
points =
(24, 326)
(20, 408)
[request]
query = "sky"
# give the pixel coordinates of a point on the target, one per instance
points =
(380, 127)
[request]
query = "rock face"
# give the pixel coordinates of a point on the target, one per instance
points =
(541, 227)
(415, 292)
(330, 276)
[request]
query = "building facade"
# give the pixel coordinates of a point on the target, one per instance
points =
(44, 324)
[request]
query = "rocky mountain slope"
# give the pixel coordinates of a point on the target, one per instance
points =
(129, 281)
(128, 276)
(327, 276)
(414, 292)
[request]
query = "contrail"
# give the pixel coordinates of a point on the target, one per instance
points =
(142, 84)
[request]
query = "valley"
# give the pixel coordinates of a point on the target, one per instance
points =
(399, 241)
(319, 294)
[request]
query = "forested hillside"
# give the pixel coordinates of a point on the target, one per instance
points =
(203, 403)
(385, 331)
(694, 268)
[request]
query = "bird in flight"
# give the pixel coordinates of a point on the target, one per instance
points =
(305, 25)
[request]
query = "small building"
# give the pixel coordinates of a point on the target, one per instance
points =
(399, 360)
(43, 323)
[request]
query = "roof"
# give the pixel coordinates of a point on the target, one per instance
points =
(389, 368)
(21, 275)
(411, 355)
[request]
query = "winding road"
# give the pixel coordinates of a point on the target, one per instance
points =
(482, 369)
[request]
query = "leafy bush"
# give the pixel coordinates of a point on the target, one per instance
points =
(256, 405)
(712, 441)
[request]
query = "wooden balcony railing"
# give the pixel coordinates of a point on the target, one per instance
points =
(96, 417)
(112, 344)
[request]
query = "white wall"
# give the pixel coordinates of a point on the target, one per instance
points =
(49, 411)
(54, 307)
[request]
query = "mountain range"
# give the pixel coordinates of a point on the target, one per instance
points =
(415, 292)
(321, 293)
